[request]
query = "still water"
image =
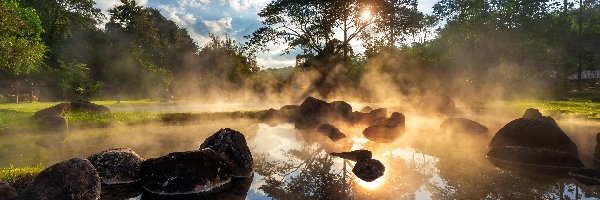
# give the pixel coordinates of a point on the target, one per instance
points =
(425, 163)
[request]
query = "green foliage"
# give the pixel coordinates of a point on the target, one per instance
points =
(74, 77)
(584, 109)
(20, 41)
(13, 174)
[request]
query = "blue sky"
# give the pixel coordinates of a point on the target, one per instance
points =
(234, 17)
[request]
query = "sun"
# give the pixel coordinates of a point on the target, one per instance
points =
(365, 15)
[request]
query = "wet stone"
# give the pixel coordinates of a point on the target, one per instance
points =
(6, 191)
(71, 179)
(117, 166)
(311, 113)
(232, 146)
(331, 131)
(463, 125)
(180, 173)
(368, 170)
(355, 155)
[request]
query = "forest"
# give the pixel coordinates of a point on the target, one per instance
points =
(481, 48)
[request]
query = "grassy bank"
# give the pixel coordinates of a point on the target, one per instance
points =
(585, 109)
(18, 117)
(13, 174)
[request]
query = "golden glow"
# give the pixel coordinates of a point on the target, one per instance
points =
(371, 185)
(365, 15)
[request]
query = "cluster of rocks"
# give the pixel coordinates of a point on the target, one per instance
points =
(534, 143)
(366, 168)
(317, 114)
(52, 117)
(223, 158)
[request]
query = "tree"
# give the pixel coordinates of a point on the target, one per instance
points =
(20, 42)
(61, 19)
(312, 25)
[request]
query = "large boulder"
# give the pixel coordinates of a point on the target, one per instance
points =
(533, 133)
(71, 179)
(377, 116)
(341, 109)
(188, 172)
(55, 123)
(331, 131)
(355, 155)
(58, 109)
(396, 120)
(463, 125)
(117, 166)
(74, 106)
(532, 113)
(366, 109)
(311, 113)
(368, 170)
(232, 146)
(6, 191)
(534, 145)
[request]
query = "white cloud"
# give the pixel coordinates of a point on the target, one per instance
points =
(193, 3)
(245, 4)
(189, 19)
(219, 26)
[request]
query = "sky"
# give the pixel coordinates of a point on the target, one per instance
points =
(236, 18)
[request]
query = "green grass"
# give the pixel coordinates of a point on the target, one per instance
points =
(12, 174)
(577, 108)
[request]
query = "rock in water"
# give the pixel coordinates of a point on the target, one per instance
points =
(355, 155)
(311, 113)
(55, 123)
(366, 109)
(185, 173)
(341, 109)
(396, 120)
(463, 125)
(331, 131)
(534, 133)
(368, 170)
(232, 146)
(71, 179)
(7, 192)
(532, 113)
(117, 166)
(382, 133)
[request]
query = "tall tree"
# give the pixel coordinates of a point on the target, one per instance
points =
(20, 40)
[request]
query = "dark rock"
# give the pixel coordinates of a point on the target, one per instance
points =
(237, 190)
(382, 133)
(58, 109)
(7, 192)
(586, 176)
(462, 125)
(331, 131)
(232, 146)
(71, 179)
(121, 191)
(311, 113)
(436, 104)
(532, 113)
(288, 112)
(342, 109)
(355, 155)
(22, 182)
(270, 116)
(377, 116)
(534, 133)
(368, 170)
(117, 166)
(185, 173)
(596, 160)
(74, 106)
(535, 156)
(366, 109)
(55, 123)
(396, 120)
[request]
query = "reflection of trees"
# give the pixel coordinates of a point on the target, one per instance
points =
(307, 174)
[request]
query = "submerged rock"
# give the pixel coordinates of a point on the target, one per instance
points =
(117, 166)
(331, 131)
(355, 155)
(6, 191)
(368, 170)
(185, 173)
(232, 146)
(71, 179)
(463, 125)
(55, 123)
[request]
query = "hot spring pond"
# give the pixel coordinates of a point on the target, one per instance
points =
(425, 163)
